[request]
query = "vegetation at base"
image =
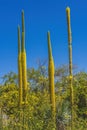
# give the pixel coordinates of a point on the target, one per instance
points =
(37, 114)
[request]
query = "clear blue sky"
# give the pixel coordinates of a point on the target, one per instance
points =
(41, 16)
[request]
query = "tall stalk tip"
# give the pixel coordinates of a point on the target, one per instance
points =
(19, 46)
(49, 45)
(68, 9)
(23, 28)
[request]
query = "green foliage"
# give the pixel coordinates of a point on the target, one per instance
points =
(9, 78)
(36, 114)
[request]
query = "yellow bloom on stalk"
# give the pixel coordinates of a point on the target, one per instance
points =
(70, 76)
(51, 77)
(24, 75)
(19, 69)
(23, 60)
(70, 67)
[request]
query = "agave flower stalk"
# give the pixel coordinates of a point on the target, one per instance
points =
(23, 59)
(51, 77)
(70, 67)
(19, 68)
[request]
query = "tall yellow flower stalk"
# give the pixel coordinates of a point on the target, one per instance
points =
(70, 67)
(23, 60)
(22, 72)
(51, 77)
(19, 68)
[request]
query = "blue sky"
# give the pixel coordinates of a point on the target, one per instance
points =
(41, 16)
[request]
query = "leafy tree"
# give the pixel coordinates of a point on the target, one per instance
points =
(37, 112)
